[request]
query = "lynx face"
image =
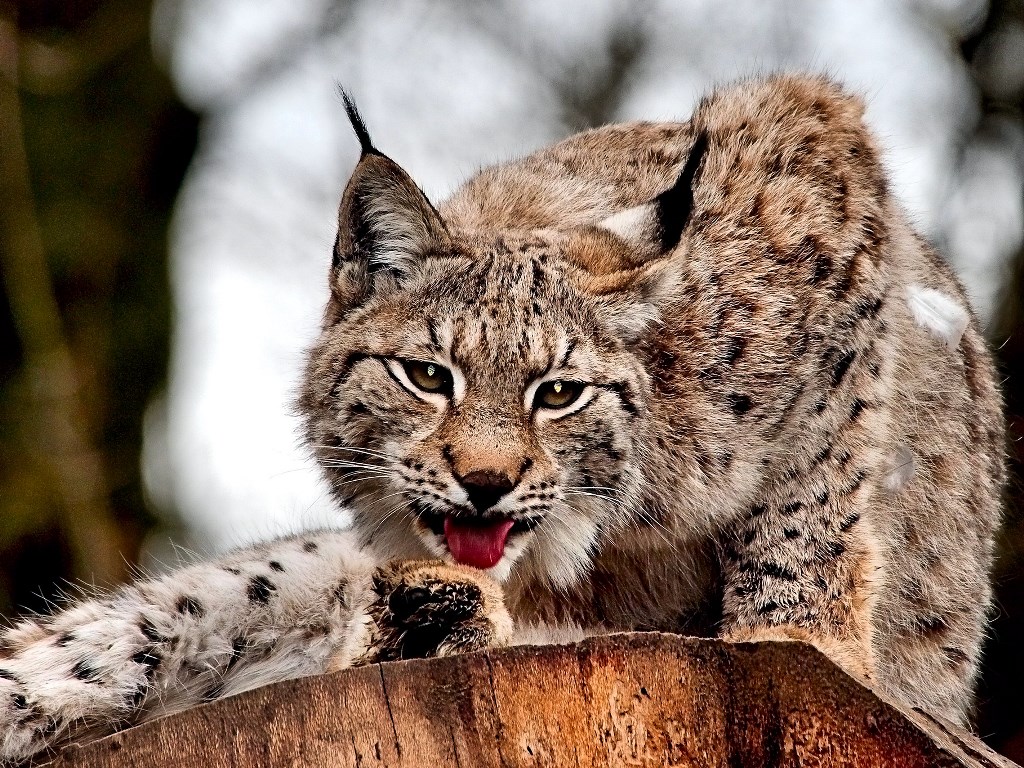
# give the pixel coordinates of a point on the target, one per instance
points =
(473, 395)
(499, 404)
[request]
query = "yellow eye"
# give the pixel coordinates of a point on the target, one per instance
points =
(558, 393)
(428, 376)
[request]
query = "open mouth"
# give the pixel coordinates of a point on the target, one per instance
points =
(475, 541)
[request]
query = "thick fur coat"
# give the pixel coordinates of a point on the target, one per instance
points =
(698, 377)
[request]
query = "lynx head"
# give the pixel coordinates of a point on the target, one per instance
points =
(475, 395)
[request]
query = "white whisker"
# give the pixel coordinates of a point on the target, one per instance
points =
(364, 451)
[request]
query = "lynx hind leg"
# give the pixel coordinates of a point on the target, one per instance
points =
(432, 608)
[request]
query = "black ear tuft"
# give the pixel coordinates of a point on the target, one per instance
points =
(365, 143)
(657, 227)
(673, 206)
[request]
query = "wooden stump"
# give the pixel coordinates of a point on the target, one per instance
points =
(621, 700)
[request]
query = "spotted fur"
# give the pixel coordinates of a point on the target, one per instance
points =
(790, 428)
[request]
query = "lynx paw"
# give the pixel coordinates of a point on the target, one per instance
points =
(431, 608)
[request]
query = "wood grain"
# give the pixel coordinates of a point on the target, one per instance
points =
(622, 700)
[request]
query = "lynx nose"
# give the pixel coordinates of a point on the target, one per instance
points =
(484, 487)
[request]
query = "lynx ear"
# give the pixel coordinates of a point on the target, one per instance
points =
(631, 300)
(658, 226)
(385, 223)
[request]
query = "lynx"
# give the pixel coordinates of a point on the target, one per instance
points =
(696, 377)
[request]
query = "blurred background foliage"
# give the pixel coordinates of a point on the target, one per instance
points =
(93, 147)
(95, 143)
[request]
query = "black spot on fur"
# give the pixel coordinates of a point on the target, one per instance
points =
(822, 498)
(276, 566)
(189, 605)
(842, 286)
(857, 409)
(842, 366)
(85, 672)
(834, 550)
(50, 725)
(537, 277)
(735, 349)
(931, 625)
(822, 268)
(20, 702)
(147, 658)
(858, 478)
(139, 696)
(791, 533)
(851, 520)
(868, 306)
(768, 607)
(792, 507)
(238, 648)
(259, 589)
(336, 255)
(757, 510)
(8, 675)
(778, 571)
(64, 639)
(740, 404)
(446, 453)
(309, 546)
(823, 455)
(435, 336)
(150, 632)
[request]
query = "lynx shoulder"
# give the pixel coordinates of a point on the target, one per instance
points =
(698, 377)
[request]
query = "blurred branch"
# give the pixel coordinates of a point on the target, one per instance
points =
(60, 428)
(590, 89)
(592, 97)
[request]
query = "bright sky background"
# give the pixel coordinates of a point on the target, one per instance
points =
(443, 94)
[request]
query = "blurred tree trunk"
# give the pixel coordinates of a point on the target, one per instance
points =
(93, 145)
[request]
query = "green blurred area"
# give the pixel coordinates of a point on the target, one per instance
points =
(93, 148)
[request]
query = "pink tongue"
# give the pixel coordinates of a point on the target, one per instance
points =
(480, 546)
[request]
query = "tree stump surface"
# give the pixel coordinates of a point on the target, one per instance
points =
(643, 699)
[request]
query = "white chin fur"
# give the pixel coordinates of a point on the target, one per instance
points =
(560, 550)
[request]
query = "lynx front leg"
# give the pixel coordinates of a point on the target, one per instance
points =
(806, 567)
(432, 608)
(275, 611)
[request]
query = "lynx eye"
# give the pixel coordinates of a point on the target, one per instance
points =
(558, 393)
(428, 376)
